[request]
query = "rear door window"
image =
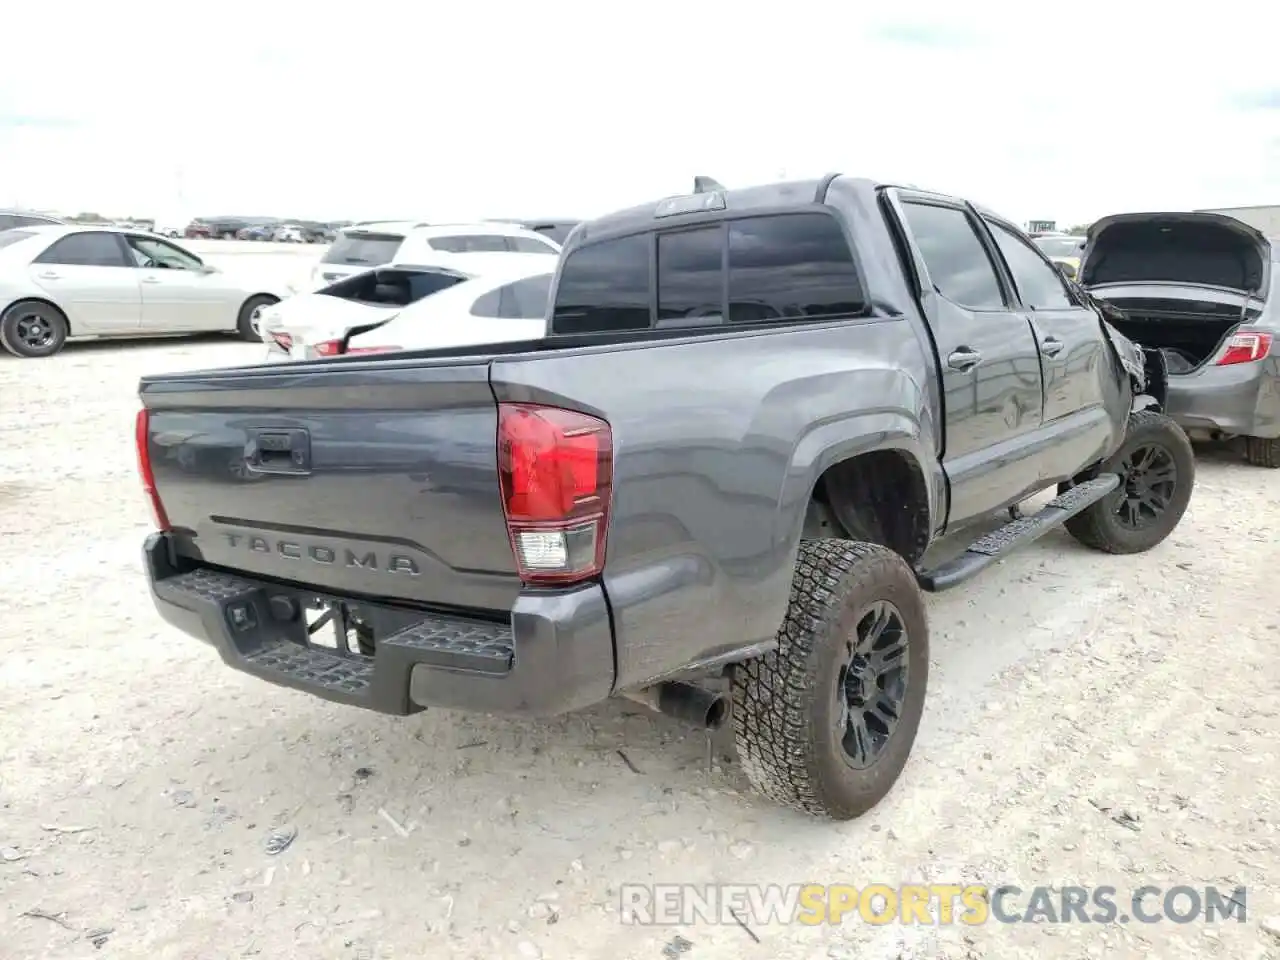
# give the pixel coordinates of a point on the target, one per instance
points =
(792, 266)
(958, 264)
(86, 250)
(529, 245)
(522, 300)
(1039, 285)
(372, 249)
(604, 288)
(470, 243)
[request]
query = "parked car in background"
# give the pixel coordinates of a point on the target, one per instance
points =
(258, 232)
(500, 306)
(64, 282)
(711, 487)
(315, 324)
(1063, 249)
(557, 230)
(1205, 289)
(287, 233)
(195, 230)
(9, 219)
(366, 245)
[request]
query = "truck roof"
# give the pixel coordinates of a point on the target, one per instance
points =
(771, 197)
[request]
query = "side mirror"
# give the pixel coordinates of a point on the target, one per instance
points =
(1066, 269)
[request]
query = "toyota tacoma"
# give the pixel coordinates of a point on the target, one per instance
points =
(710, 487)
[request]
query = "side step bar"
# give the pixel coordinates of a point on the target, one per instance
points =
(998, 544)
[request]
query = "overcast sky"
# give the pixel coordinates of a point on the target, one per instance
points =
(560, 108)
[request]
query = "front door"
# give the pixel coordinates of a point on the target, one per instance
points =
(178, 293)
(992, 398)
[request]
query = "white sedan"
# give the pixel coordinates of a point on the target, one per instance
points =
(413, 308)
(64, 282)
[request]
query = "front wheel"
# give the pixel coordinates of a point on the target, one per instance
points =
(825, 722)
(1157, 469)
(247, 324)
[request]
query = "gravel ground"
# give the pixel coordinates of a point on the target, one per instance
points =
(1093, 719)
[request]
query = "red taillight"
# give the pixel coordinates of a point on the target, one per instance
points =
(555, 468)
(282, 340)
(142, 429)
(333, 348)
(1246, 347)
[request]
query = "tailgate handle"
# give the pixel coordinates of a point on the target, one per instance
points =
(278, 451)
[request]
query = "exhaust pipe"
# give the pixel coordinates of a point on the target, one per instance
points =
(684, 701)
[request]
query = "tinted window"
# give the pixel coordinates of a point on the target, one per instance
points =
(469, 243)
(369, 248)
(425, 283)
(604, 287)
(794, 265)
(957, 261)
(8, 237)
(690, 277)
(86, 250)
(523, 300)
(528, 245)
(1039, 284)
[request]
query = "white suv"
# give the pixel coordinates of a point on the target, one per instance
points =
(368, 245)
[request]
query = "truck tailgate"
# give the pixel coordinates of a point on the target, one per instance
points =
(372, 480)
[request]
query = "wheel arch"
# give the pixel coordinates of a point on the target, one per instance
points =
(886, 461)
(42, 300)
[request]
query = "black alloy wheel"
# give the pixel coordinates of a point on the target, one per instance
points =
(871, 687)
(1148, 479)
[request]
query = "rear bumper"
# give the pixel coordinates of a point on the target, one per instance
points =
(1241, 400)
(555, 655)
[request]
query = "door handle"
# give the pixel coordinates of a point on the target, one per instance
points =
(50, 275)
(150, 279)
(1051, 346)
(963, 359)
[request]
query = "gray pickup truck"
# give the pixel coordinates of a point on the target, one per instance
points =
(709, 488)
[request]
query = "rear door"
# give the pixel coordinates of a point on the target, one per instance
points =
(992, 395)
(1068, 334)
(89, 276)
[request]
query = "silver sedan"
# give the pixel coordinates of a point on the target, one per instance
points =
(63, 282)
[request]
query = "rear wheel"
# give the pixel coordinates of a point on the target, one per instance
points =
(33, 329)
(247, 323)
(825, 723)
(1157, 469)
(1262, 453)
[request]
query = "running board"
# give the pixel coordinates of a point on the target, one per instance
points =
(998, 544)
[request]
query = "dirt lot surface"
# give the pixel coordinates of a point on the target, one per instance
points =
(1093, 720)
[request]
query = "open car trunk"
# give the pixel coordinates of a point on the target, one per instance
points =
(1185, 281)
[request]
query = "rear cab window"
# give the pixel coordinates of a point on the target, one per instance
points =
(357, 247)
(753, 269)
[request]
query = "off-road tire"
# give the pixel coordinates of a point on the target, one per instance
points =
(1099, 527)
(784, 703)
(9, 321)
(244, 322)
(1261, 452)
